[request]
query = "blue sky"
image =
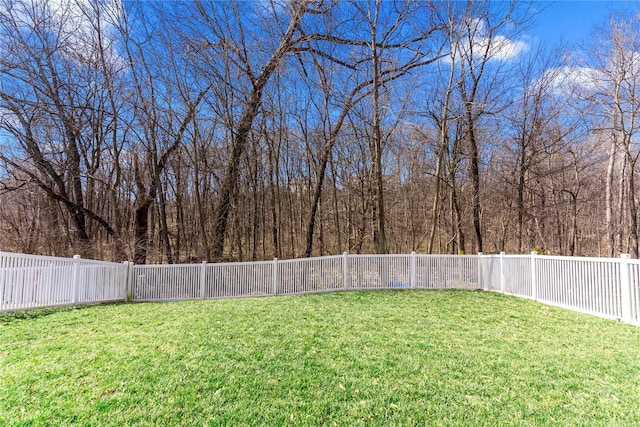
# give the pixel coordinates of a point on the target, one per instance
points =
(574, 20)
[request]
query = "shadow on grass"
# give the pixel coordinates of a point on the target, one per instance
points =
(35, 313)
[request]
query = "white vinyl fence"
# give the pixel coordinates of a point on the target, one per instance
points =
(298, 276)
(603, 287)
(30, 281)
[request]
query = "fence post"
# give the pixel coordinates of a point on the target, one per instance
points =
(76, 278)
(126, 281)
(625, 288)
(2, 279)
(534, 277)
(203, 279)
(414, 269)
(502, 271)
(275, 276)
(345, 270)
(481, 284)
(131, 279)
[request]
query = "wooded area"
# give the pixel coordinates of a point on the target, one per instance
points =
(245, 130)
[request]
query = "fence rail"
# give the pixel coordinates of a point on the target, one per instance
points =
(606, 287)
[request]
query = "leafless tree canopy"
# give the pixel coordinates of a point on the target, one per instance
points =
(186, 131)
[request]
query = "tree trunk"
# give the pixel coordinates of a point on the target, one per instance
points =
(435, 208)
(633, 210)
(475, 177)
(379, 234)
(621, 209)
(141, 232)
(162, 212)
(522, 171)
(609, 216)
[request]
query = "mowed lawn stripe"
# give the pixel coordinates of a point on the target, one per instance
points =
(350, 358)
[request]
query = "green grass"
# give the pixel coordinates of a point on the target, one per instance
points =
(356, 358)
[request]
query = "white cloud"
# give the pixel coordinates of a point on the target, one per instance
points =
(505, 49)
(570, 81)
(75, 22)
(472, 40)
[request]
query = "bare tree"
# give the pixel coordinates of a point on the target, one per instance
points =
(58, 103)
(238, 52)
(483, 44)
(614, 75)
(160, 118)
(382, 38)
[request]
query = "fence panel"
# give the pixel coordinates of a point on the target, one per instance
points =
(101, 282)
(517, 275)
(590, 285)
(447, 272)
(225, 280)
(28, 282)
(239, 279)
(634, 277)
(490, 272)
(32, 281)
(310, 275)
(379, 271)
(166, 282)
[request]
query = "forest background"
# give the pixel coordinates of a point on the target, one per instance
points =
(244, 130)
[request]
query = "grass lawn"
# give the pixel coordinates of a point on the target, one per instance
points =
(355, 358)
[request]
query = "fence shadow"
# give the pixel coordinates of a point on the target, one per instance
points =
(36, 313)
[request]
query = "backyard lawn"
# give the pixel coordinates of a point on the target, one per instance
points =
(351, 358)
